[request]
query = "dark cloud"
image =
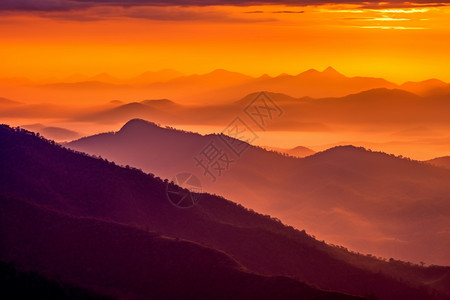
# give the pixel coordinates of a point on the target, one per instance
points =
(187, 15)
(42, 5)
(384, 5)
(288, 12)
(251, 2)
(150, 13)
(68, 5)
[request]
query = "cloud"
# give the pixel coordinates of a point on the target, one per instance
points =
(249, 2)
(185, 14)
(71, 5)
(288, 12)
(151, 13)
(41, 5)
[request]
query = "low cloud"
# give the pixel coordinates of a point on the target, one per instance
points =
(66, 5)
(288, 12)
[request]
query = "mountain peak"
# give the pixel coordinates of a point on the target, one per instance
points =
(137, 124)
(331, 71)
(103, 77)
(220, 72)
(164, 102)
(224, 73)
(309, 72)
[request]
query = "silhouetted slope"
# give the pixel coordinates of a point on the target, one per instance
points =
(53, 133)
(443, 162)
(313, 83)
(371, 202)
(4, 102)
(20, 284)
(298, 151)
(130, 263)
(368, 108)
(52, 177)
(425, 87)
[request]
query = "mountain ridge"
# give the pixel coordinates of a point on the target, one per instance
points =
(139, 200)
(343, 186)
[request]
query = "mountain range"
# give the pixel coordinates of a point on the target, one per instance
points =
(371, 202)
(216, 87)
(111, 229)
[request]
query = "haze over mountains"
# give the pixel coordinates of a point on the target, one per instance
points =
(111, 229)
(218, 86)
(307, 172)
(325, 108)
(443, 162)
(370, 202)
(320, 109)
(392, 121)
(244, 150)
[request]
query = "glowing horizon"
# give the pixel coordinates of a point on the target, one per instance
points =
(393, 42)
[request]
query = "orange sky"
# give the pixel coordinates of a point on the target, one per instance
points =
(395, 43)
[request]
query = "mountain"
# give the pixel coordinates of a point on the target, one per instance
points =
(221, 86)
(121, 112)
(218, 77)
(201, 88)
(51, 132)
(212, 88)
(156, 76)
(144, 78)
(4, 102)
(41, 111)
(425, 87)
(90, 84)
(377, 107)
(298, 151)
(88, 220)
(371, 202)
(76, 77)
(103, 77)
(443, 162)
(21, 284)
(131, 263)
(163, 111)
(79, 241)
(316, 84)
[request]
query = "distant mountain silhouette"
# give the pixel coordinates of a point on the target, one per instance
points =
(4, 102)
(54, 133)
(424, 88)
(130, 263)
(26, 284)
(89, 222)
(312, 83)
(156, 76)
(125, 111)
(103, 77)
(40, 111)
(216, 87)
(298, 151)
(443, 162)
(377, 107)
(222, 86)
(371, 202)
(89, 84)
